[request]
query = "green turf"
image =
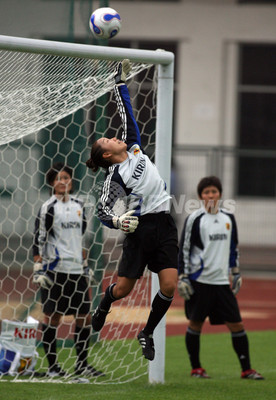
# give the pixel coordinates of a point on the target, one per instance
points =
(217, 357)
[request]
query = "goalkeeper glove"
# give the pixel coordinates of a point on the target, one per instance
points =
(123, 69)
(184, 287)
(40, 278)
(126, 222)
(236, 280)
(89, 274)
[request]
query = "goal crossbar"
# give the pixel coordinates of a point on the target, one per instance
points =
(84, 51)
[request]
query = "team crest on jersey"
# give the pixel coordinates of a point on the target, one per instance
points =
(79, 213)
(136, 151)
(227, 226)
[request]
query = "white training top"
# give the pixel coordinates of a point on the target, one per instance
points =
(208, 247)
(59, 229)
(136, 180)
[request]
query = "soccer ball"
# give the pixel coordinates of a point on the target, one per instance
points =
(105, 23)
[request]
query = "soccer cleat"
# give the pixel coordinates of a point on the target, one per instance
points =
(89, 371)
(200, 373)
(98, 318)
(251, 374)
(54, 371)
(147, 345)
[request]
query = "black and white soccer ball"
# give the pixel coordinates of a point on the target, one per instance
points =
(105, 23)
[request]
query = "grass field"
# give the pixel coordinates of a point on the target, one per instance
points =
(217, 357)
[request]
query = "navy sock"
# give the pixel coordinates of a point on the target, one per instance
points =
(159, 307)
(192, 340)
(241, 347)
(81, 338)
(50, 343)
(108, 299)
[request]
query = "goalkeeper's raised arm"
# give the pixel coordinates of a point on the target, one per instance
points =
(131, 133)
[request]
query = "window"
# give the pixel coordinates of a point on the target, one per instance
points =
(257, 119)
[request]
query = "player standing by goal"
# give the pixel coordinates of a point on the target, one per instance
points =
(61, 270)
(151, 232)
(208, 248)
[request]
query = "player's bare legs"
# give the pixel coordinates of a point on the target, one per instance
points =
(235, 326)
(196, 325)
(123, 287)
(53, 319)
(83, 320)
(168, 281)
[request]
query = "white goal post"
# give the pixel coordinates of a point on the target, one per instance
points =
(164, 114)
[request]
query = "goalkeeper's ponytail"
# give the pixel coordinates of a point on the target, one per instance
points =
(96, 159)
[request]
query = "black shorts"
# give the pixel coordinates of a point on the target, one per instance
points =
(68, 296)
(153, 244)
(214, 301)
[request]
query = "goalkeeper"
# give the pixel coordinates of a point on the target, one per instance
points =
(61, 270)
(208, 248)
(151, 235)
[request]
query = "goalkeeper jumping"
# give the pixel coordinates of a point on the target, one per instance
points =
(151, 238)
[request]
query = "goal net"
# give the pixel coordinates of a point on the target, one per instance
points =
(55, 101)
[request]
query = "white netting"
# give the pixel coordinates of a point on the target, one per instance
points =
(37, 90)
(54, 107)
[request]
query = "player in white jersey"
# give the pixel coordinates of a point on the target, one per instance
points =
(152, 234)
(59, 269)
(208, 251)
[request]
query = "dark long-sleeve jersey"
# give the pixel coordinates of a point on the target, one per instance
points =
(59, 229)
(136, 180)
(208, 247)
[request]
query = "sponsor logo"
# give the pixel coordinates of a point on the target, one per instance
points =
(218, 236)
(70, 225)
(25, 333)
(139, 169)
